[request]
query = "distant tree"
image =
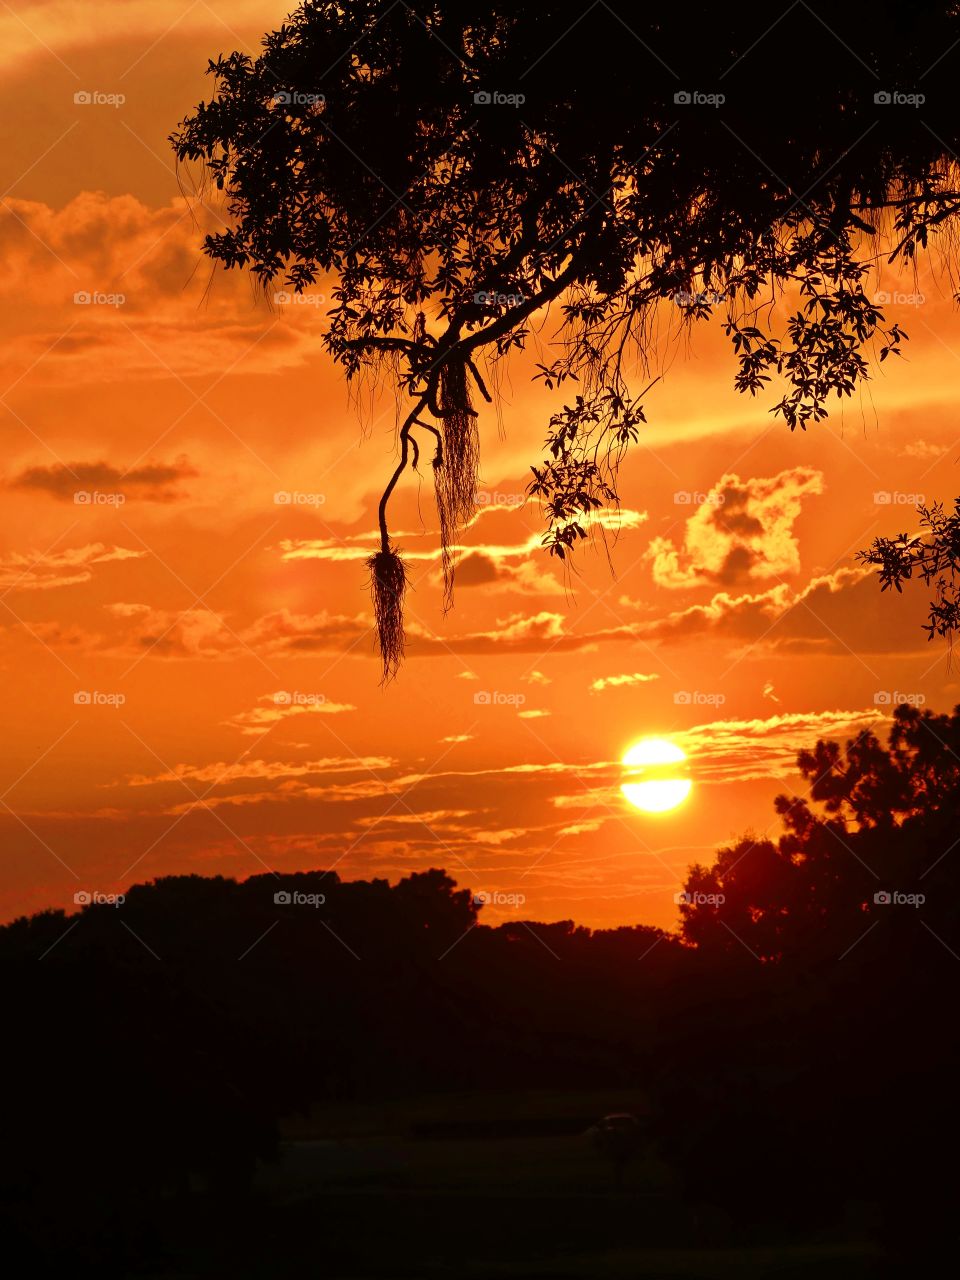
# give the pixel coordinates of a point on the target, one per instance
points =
(456, 168)
(873, 821)
(826, 961)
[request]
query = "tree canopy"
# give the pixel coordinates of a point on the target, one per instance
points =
(473, 178)
(874, 823)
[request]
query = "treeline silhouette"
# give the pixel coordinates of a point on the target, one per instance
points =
(796, 1037)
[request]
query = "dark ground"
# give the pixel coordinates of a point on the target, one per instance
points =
(503, 1185)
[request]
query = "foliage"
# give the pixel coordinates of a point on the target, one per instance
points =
(872, 822)
(933, 555)
(460, 170)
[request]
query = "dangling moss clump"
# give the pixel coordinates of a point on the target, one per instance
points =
(388, 586)
(456, 476)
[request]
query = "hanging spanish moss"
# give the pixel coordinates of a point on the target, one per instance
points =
(456, 476)
(388, 586)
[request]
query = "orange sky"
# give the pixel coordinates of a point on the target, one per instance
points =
(199, 598)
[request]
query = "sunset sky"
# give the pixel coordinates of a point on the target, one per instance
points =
(739, 626)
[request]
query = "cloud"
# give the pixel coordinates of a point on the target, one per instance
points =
(480, 569)
(745, 534)
(616, 682)
(61, 26)
(582, 828)
(458, 737)
(284, 705)
(21, 571)
(168, 633)
(115, 293)
(922, 449)
(739, 750)
(221, 774)
(449, 819)
(839, 612)
(533, 714)
(516, 565)
(284, 633)
(154, 482)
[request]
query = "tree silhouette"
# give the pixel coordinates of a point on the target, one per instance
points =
(932, 556)
(455, 169)
(871, 824)
(793, 1045)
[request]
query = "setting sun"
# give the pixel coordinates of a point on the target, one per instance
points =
(653, 764)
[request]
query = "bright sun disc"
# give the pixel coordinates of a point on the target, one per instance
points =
(653, 763)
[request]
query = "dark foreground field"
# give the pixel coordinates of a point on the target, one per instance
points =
(496, 1185)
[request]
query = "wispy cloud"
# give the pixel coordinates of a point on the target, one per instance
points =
(622, 681)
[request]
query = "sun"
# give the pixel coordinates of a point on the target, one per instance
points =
(653, 765)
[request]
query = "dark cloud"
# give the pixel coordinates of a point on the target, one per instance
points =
(154, 482)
